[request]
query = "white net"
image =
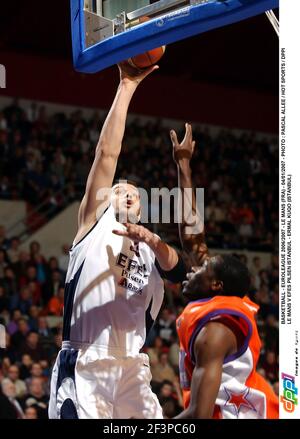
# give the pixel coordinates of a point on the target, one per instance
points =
(273, 20)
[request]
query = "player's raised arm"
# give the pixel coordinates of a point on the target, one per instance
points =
(192, 243)
(212, 345)
(109, 145)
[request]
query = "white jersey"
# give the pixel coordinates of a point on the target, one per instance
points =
(113, 291)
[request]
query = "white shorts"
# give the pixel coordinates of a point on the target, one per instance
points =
(85, 386)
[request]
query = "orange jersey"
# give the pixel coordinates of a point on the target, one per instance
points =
(243, 392)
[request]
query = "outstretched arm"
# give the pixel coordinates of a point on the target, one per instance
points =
(109, 146)
(192, 243)
(212, 345)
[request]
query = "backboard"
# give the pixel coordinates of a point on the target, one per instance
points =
(105, 32)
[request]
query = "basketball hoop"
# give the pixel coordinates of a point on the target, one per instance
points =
(105, 32)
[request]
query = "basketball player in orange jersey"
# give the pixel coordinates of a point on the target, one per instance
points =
(219, 340)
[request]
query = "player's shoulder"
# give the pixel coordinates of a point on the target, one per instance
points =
(190, 315)
(242, 306)
(86, 230)
(214, 335)
(205, 308)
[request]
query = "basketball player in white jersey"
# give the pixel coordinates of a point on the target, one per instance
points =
(113, 291)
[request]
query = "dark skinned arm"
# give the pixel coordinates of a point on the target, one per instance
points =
(193, 244)
(213, 344)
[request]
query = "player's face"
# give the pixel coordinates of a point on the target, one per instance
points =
(125, 200)
(198, 283)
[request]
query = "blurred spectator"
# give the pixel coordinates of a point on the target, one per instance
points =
(7, 409)
(33, 314)
(162, 370)
(213, 212)
(256, 266)
(9, 281)
(13, 326)
(22, 301)
(32, 347)
(30, 413)
(52, 286)
(25, 368)
(154, 351)
(246, 214)
(44, 331)
(262, 297)
(46, 372)
(19, 337)
(36, 371)
(245, 229)
(46, 337)
(41, 268)
(36, 398)
(35, 253)
(55, 305)
(9, 390)
(20, 267)
(168, 398)
(53, 266)
(30, 280)
(13, 251)
(14, 376)
(166, 390)
(169, 408)
(165, 326)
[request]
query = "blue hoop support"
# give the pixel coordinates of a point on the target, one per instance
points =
(171, 27)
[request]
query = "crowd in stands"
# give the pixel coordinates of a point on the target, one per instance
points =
(45, 160)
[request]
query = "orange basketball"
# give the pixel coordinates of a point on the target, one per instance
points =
(148, 58)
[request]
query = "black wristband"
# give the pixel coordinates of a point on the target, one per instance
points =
(177, 274)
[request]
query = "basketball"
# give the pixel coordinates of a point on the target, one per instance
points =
(148, 58)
